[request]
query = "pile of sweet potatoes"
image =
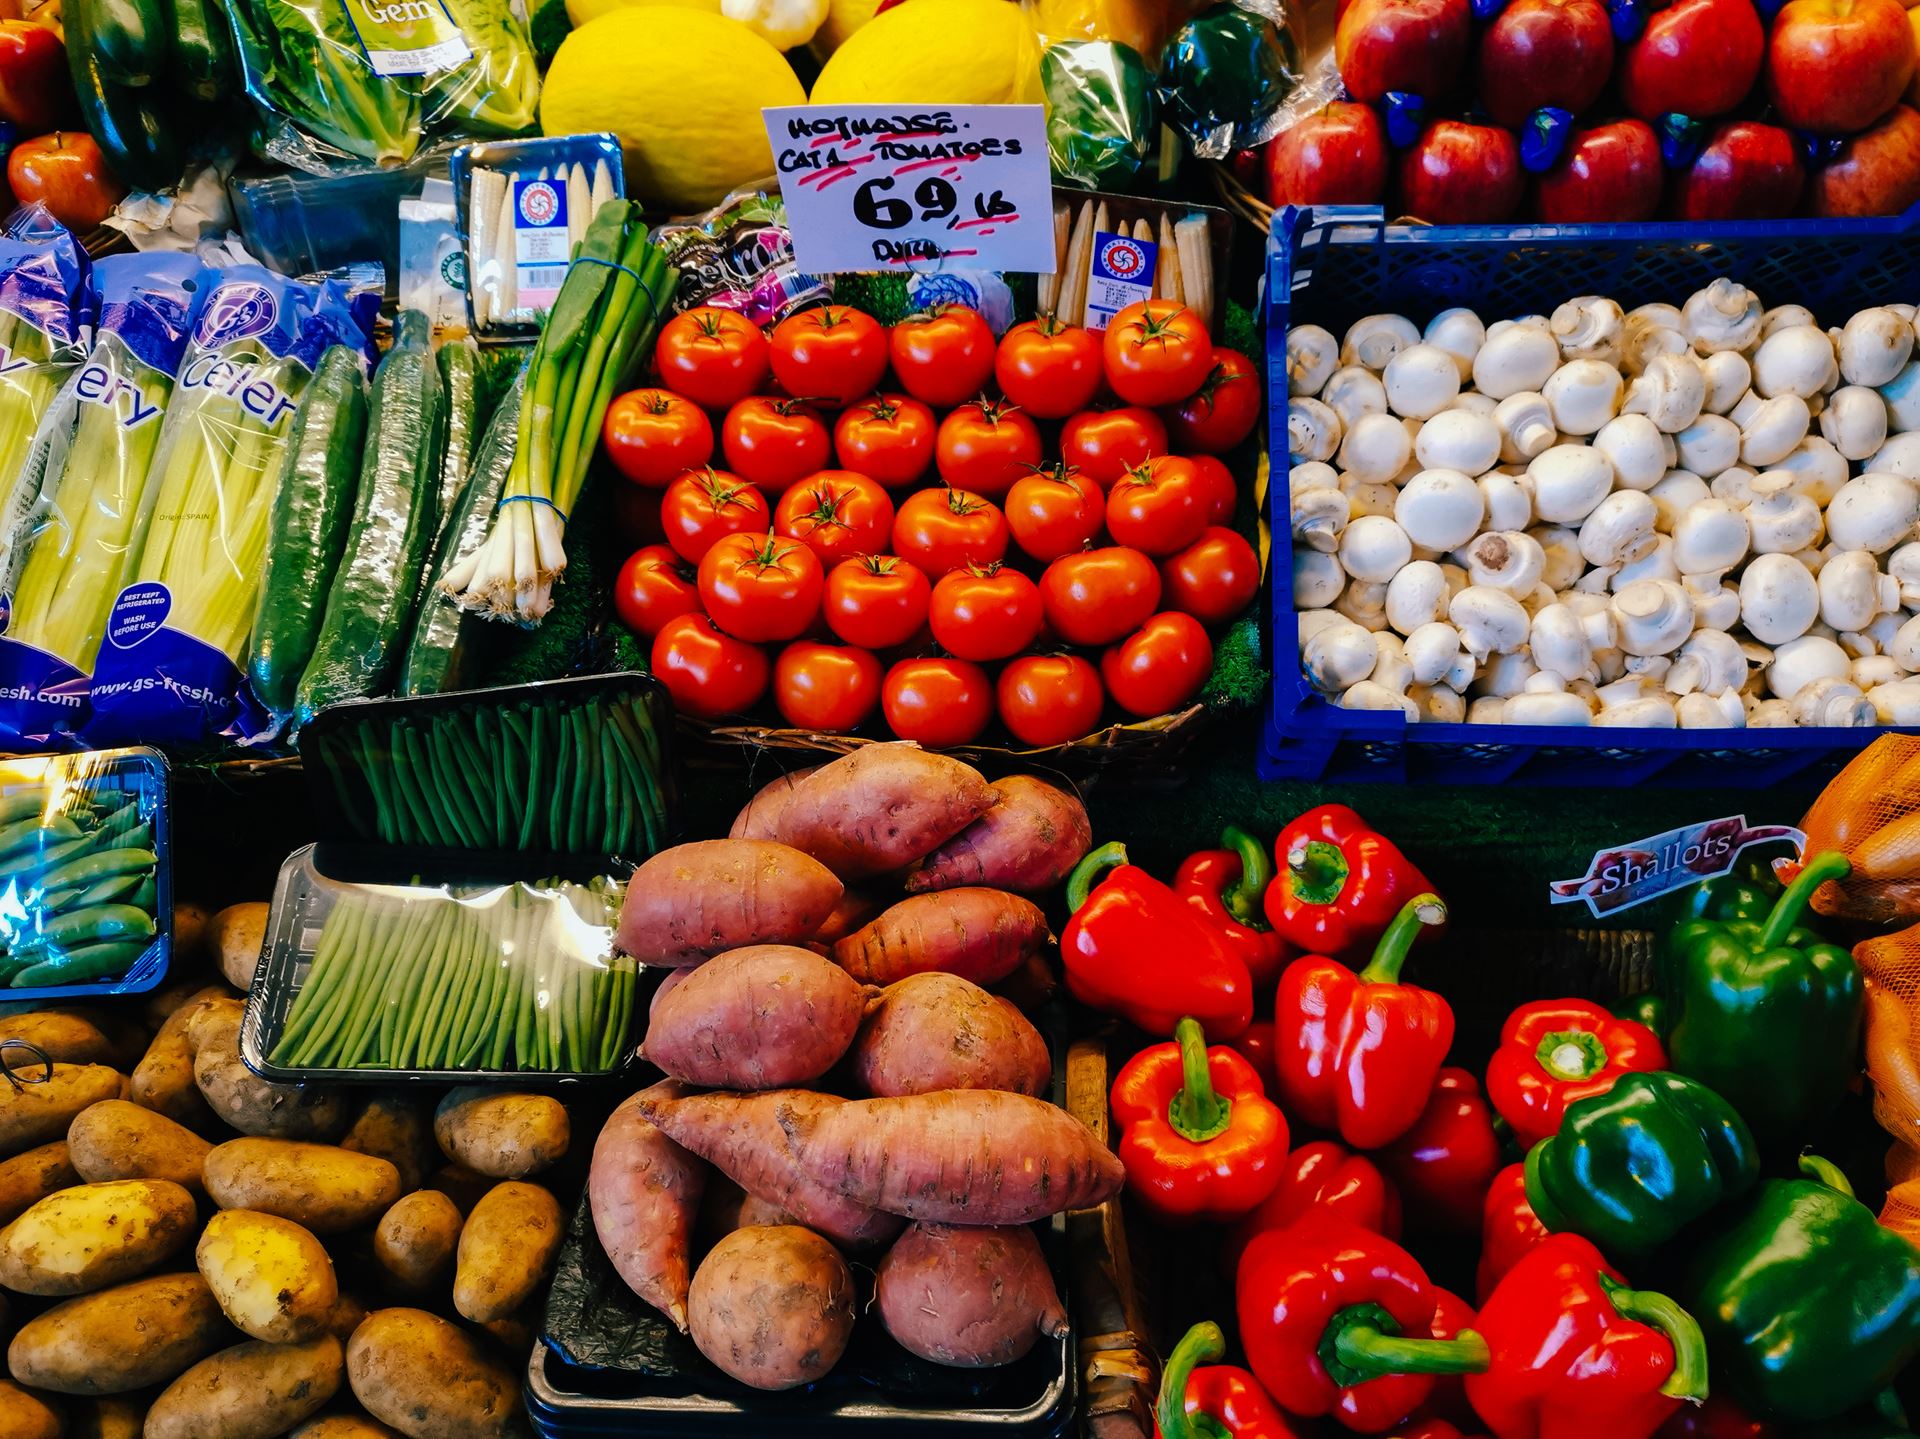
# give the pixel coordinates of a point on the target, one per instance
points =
(840, 1080)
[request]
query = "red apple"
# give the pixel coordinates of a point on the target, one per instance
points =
(1836, 66)
(1877, 174)
(1335, 156)
(1461, 174)
(1415, 45)
(66, 172)
(1913, 85)
(1699, 57)
(1748, 171)
(1609, 175)
(1545, 52)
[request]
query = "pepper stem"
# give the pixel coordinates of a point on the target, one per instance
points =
(1242, 898)
(1825, 1171)
(1391, 953)
(1572, 1054)
(1364, 1342)
(1202, 1344)
(1787, 909)
(1092, 868)
(1319, 870)
(1689, 1377)
(1198, 1112)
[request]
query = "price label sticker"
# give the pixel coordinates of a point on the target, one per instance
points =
(869, 187)
(1119, 273)
(540, 248)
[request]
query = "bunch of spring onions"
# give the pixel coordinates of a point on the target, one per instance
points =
(616, 292)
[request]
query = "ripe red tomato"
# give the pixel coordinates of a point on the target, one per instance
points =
(942, 356)
(708, 673)
(1050, 699)
(985, 612)
(984, 446)
(654, 585)
(1223, 411)
(832, 688)
(939, 529)
(654, 435)
(1214, 578)
(702, 505)
(1158, 507)
(937, 702)
(714, 357)
(1104, 444)
(1055, 512)
(1161, 667)
(888, 438)
(1049, 369)
(833, 354)
(773, 442)
(760, 587)
(1157, 352)
(1215, 482)
(876, 601)
(1095, 597)
(836, 514)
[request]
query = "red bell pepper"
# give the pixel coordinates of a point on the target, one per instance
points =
(1219, 1401)
(1452, 1316)
(1358, 1053)
(1199, 1137)
(1445, 1163)
(1555, 1051)
(1321, 1178)
(1338, 1320)
(1718, 1418)
(1508, 1228)
(1136, 949)
(1574, 1352)
(1256, 1047)
(1430, 1429)
(1226, 885)
(36, 91)
(1340, 882)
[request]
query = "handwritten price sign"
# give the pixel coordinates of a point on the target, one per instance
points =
(872, 187)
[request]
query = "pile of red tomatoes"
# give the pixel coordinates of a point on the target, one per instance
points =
(857, 520)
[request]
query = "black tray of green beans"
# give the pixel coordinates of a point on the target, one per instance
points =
(485, 976)
(579, 766)
(86, 874)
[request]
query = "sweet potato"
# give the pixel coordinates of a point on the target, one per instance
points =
(769, 1016)
(874, 811)
(644, 1191)
(740, 1135)
(765, 812)
(697, 900)
(857, 907)
(773, 1307)
(979, 934)
(937, 1031)
(958, 1156)
(1028, 842)
(971, 1298)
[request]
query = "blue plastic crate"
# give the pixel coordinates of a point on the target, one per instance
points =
(1332, 265)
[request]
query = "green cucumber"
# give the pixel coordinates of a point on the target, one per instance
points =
(138, 143)
(459, 362)
(448, 644)
(372, 594)
(307, 533)
(203, 48)
(128, 38)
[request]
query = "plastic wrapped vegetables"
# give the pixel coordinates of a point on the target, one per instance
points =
(178, 632)
(79, 541)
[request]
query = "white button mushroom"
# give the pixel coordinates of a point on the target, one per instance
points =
(1712, 711)
(1710, 537)
(1780, 520)
(1508, 500)
(1416, 596)
(1871, 671)
(1904, 646)
(1563, 642)
(1317, 579)
(1475, 403)
(1375, 449)
(1438, 704)
(1460, 440)
(1313, 430)
(1460, 333)
(1368, 695)
(1904, 566)
(1376, 339)
(1568, 481)
(1488, 709)
(1490, 621)
(1652, 331)
(1363, 602)
(1854, 421)
(1774, 431)
(1898, 456)
(1647, 712)
(1312, 355)
(1590, 327)
(1391, 667)
(1421, 381)
(1817, 468)
(1768, 714)
(1549, 708)
(1873, 346)
(1583, 395)
(1796, 360)
(1715, 606)
(1313, 475)
(1636, 449)
(1506, 560)
(1670, 391)
(1656, 564)
(1897, 702)
(1784, 317)
(1710, 445)
(1734, 485)
(1745, 408)
(1620, 529)
(1318, 517)
(1560, 547)
(1798, 663)
(1364, 498)
(1310, 622)
(1338, 657)
(1874, 511)
(1440, 509)
(1509, 674)
(1779, 599)
(1374, 548)
(1353, 392)
(1653, 617)
(1432, 650)
(1853, 592)
(1725, 315)
(1516, 357)
(1902, 396)
(1710, 661)
(1831, 702)
(1525, 421)
(1729, 377)
(1677, 492)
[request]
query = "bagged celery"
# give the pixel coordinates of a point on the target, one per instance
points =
(77, 543)
(177, 635)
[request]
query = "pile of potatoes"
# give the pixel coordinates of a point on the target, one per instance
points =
(839, 1078)
(192, 1252)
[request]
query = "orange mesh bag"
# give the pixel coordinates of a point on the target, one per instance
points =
(1870, 812)
(1901, 1212)
(1890, 966)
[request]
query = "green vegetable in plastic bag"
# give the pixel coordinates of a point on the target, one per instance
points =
(499, 89)
(1101, 112)
(1224, 76)
(303, 61)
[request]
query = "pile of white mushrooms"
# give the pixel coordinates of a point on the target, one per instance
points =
(1699, 515)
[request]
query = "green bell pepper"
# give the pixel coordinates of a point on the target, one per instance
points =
(1767, 1013)
(1649, 1009)
(1631, 1168)
(1102, 112)
(1809, 1306)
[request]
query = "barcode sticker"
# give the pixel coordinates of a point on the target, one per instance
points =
(540, 242)
(544, 277)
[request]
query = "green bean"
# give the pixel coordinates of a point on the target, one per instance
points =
(428, 989)
(407, 783)
(557, 804)
(341, 928)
